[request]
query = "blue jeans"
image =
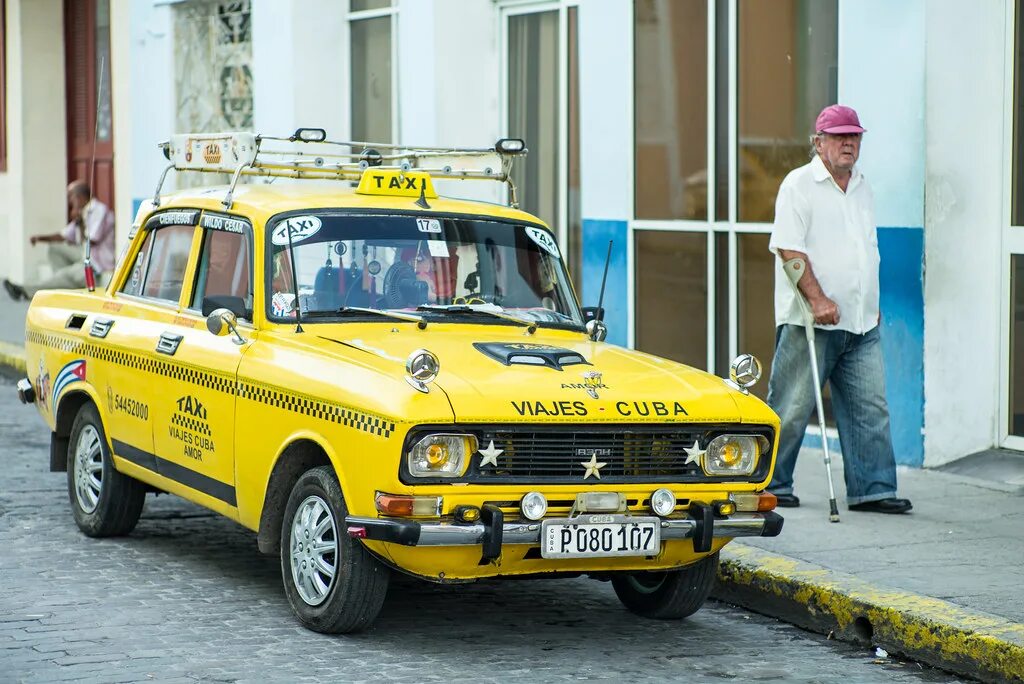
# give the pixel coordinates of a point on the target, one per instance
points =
(853, 365)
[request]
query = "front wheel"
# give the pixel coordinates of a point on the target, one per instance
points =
(104, 502)
(332, 582)
(669, 595)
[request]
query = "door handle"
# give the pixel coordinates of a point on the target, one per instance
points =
(101, 326)
(168, 343)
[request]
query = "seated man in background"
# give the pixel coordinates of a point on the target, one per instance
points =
(66, 251)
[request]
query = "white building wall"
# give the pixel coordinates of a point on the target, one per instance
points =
(964, 210)
(882, 76)
(606, 109)
(144, 112)
(300, 66)
(32, 191)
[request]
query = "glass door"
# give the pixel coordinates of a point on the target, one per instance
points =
(1011, 424)
(541, 106)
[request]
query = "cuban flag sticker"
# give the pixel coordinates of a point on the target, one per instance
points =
(72, 372)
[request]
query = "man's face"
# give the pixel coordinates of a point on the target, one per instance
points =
(839, 150)
(76, 201)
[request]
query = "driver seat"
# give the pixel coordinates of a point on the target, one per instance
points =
(329, 288)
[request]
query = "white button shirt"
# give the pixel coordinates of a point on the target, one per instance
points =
(836, 230)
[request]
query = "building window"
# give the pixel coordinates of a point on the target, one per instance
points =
(725, 96)
(3, 86)
(542, 107)
(371, 28)
(213, 45)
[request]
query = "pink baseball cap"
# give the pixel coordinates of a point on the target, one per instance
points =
(838, 119)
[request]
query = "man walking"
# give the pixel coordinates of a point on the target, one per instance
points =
(89, 217)
(824, 214)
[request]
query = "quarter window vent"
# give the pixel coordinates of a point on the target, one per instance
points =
(75, 322)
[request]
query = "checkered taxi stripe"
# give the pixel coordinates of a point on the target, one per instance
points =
(190, 423)
(263, 393)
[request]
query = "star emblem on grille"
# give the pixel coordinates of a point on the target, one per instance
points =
(490, 455)
(593, 467)
(693, 453)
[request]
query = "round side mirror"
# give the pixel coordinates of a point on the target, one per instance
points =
(597, 330)
(220, 322)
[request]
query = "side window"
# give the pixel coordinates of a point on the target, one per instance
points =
(168, 259)
(225, 267)
(133, 286)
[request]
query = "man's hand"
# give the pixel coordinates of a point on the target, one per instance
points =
(826, 312)
(32, 240)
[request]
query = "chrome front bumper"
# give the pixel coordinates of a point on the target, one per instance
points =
(492, 532)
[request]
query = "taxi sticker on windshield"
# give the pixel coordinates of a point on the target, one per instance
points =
(300, 228)
(544, 239)
(437, 248)
(428, 225)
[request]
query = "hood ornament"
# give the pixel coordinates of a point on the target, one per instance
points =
(591, 381)
(421, 369)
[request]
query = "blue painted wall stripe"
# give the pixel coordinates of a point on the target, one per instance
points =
(596, 234)
(902, 302)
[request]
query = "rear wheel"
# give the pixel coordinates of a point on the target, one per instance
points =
(669, 595)
(104, 502)
(332, 582)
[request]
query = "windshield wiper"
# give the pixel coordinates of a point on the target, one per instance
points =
(420, 321)
(531, 326)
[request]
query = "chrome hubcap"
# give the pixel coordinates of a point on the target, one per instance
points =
(88, 469)
(314, 550)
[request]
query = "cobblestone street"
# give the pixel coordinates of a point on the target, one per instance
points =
(187, 597)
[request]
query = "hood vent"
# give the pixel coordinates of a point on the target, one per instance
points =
(526, 354)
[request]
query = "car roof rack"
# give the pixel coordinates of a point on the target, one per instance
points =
(249, 154)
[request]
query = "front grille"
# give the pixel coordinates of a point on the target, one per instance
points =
(627, 455)
(553, 454)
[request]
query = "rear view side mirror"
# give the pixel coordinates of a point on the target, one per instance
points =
(593, 318)
(222, 321)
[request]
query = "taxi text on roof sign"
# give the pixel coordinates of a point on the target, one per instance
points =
(396, 183)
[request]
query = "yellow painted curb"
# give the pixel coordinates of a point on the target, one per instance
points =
(12, 356)
(933, 631)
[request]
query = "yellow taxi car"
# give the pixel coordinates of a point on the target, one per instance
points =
(377, 378)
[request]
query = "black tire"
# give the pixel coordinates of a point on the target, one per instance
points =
(109, 504)
(351, 598)
(670, 595)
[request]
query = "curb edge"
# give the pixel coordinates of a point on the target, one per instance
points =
(12, 357)
(936, 632)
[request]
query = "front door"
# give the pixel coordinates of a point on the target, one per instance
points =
(190, 396)
(90, 130)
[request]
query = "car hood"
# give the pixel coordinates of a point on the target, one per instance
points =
(498, 374)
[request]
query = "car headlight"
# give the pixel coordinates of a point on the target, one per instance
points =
(732, 455)
(441, 455)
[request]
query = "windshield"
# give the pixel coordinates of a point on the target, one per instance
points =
(400, 263)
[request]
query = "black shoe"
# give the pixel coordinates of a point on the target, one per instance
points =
(16, 292)
(891, 505)
(787, 501)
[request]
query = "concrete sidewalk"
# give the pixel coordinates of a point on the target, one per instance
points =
(943, 584)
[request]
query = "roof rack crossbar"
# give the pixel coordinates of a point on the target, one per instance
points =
(243, 154)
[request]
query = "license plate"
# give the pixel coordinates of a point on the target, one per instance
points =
(598, 536)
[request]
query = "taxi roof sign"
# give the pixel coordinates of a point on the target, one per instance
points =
(315, 157)
(396, 183)
(220, 152)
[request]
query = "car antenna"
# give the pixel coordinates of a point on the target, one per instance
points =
(604, 279)
(295, 282)
(90, 275)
